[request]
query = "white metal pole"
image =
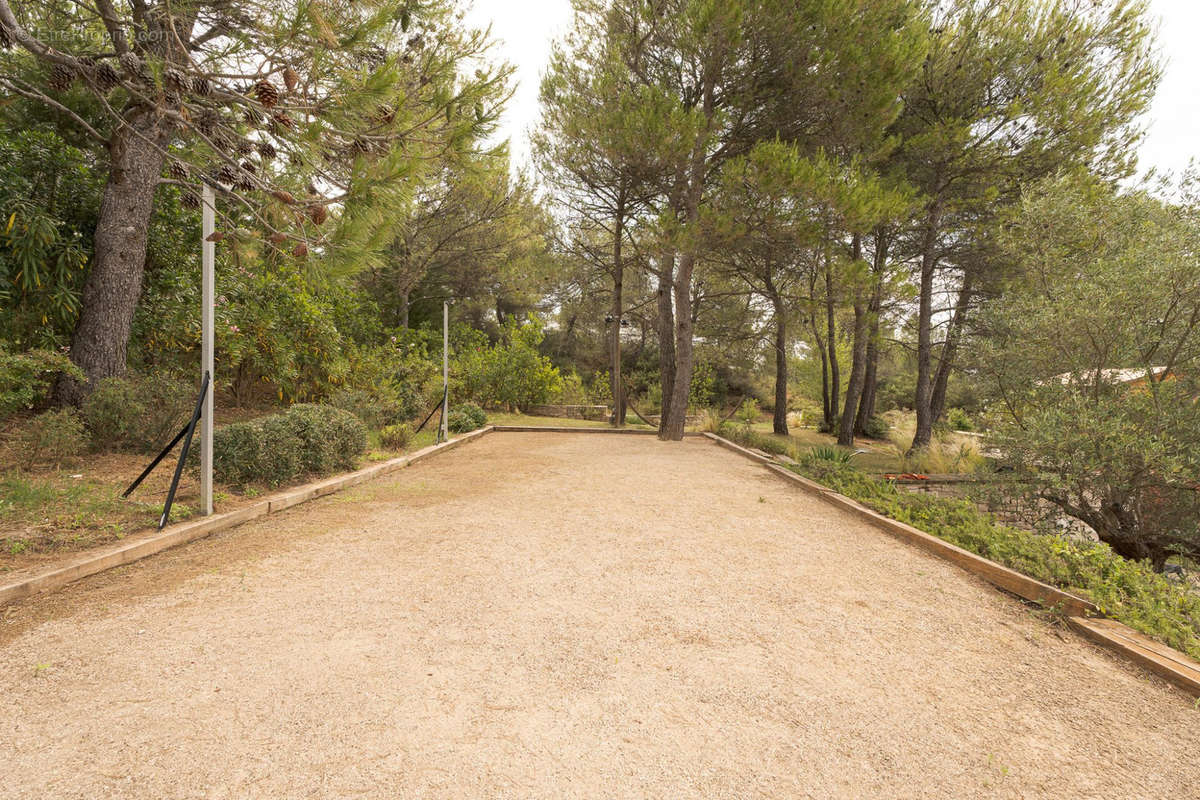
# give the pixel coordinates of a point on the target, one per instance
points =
(207, 264)
(445, 432)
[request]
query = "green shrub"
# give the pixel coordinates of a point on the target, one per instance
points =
(958, 420)
(307, 439)
(236, 454)
(396, 437)
(52, 437)
(137, 413)
(458, 422)
(876, 428)
(330, 438)
(474, 413)
(26, 377)
(113, 413)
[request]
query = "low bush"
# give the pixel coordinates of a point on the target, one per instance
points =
(959, 420)
(396, 437)
(330, 438)
(876, 428)
(139, 413)
(306, 439)
(474, 413)
(52, 437)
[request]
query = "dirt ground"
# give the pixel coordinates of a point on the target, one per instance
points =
(569, 616)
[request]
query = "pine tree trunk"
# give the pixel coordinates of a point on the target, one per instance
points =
(110, 294)
(675, 410)
(924, 394)
(666, 336)
(835, 378)
(618, 388)
(779, 423)
(866, 401)
(826, 411)
(950, 349)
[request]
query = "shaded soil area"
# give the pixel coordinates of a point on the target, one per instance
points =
(569, 616)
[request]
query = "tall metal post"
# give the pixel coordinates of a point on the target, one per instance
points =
(207, 264)
(444, 431)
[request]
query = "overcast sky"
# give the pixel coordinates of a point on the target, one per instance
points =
(525, 28)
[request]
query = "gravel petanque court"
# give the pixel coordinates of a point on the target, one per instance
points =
(552, 615)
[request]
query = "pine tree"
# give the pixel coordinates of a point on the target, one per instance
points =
(283, 107)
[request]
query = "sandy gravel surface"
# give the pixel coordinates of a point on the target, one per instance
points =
(569, 616)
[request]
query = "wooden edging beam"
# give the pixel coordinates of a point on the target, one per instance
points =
(185, 532)
(1082, 615)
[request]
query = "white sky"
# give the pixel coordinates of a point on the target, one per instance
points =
(525, 29)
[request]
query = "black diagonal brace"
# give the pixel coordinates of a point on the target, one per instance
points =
(186, 435)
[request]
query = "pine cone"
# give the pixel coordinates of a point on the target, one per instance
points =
(300, 251)
(189, 200)
(201, 86)
(277, 238)
(131, 64)
(266, 93)
(318, 214)
(290, 79)
(281, 121)
(61, 77)
(266, 150)
(105, 77)
(178, 170)
(207, 121)
(243, 182)
(225, 174)
(249, 167)
(283, 197)
(252, 117)
(176, 80)
(243, 147)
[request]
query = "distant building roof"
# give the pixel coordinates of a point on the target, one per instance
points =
(1126, 375)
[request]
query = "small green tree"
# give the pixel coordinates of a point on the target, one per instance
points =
(1091, 358)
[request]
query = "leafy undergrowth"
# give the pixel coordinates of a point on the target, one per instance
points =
(1128, 591)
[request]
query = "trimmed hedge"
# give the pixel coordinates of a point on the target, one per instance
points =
(304, 440)
(1128, 591)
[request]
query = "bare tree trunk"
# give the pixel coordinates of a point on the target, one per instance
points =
(779, 422)
(866, 402)
(110, 294)
(858, 361)
(835, 378)
(675, 411)
(826, 410)
(924, 394)
(950, 348)
(666, 336)
(618, 388)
